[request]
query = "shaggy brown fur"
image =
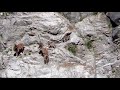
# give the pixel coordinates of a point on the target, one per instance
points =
(18, 49)
(44, 52)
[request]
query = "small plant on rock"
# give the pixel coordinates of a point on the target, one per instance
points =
(88, 43)
(72, 48)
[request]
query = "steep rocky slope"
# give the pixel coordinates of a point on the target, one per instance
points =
(84, 49)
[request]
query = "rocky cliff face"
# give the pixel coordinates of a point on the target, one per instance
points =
(84, 45)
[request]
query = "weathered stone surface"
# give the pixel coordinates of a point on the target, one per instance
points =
(96, 54)
(75, 17)
(116, 35)
(114, 16)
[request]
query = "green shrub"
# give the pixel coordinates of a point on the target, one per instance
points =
(88, 43)
(72, 48)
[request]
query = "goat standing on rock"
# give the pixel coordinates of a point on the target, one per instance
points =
(18, 49)
(44, 52)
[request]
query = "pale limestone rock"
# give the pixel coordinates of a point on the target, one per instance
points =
(87, 63)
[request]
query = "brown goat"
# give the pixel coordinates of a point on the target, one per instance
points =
(44, 52)
(18, 49)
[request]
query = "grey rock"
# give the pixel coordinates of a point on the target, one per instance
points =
(27, 40)
(116, 34)
(94, 62)
(75, 17)
(114, 16)
(22, 23)
(74, 38)
(98, 27)
(1, 47)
